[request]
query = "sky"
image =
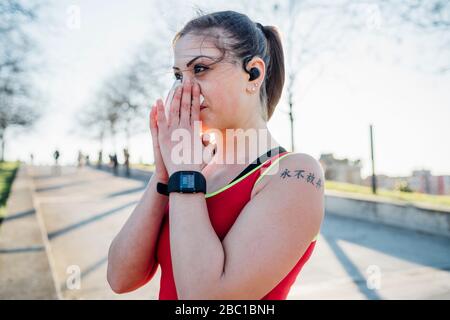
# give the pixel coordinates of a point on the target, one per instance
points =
(373, 81)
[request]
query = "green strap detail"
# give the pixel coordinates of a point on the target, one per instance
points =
(271, 165)
(244, 176)
(233, 183)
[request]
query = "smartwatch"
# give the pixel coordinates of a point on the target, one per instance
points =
(183, 182)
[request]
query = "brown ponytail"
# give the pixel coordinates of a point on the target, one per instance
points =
(275, 73)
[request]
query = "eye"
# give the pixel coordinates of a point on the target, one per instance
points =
(197, 66)
(197, 69)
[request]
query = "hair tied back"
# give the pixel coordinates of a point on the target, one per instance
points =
(261, 27)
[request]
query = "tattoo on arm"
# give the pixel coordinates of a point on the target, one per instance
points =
(308, 177)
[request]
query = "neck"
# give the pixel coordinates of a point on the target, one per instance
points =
(243, 144)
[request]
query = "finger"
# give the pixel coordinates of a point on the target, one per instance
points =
(206, 139)
(174, 119)
(195, 109)
(185, 112)
(209, 152)
(153, 117)
(161, 121)
(154, 126)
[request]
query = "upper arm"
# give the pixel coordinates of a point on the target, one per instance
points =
(274, 229)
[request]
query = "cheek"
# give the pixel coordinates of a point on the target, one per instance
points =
(223, 99)
(212, 93)
(224, 96)
(233, 96)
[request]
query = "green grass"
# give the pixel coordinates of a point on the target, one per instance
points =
(411, 197)
(7, 173)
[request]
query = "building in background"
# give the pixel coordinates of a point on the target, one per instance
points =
(342, 170)
(386, 182)
(345, 170)
(423, 181)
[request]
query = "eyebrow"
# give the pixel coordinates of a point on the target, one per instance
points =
(190, 62)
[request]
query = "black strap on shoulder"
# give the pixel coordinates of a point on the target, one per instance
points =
(261, 159)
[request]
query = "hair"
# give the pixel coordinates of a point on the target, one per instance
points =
(241, 39)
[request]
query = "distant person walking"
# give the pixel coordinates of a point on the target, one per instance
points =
(56, 156)
(100, 159)
(80, 159)
(126, 156)
(114, 163)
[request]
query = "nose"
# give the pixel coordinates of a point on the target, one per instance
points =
(192, 80)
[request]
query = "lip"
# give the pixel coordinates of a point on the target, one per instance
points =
(203, 107)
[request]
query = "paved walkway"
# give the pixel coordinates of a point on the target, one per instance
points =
(83, 209)
(351, 253)
(25, 272)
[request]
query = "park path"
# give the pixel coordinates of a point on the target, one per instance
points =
(83, 209)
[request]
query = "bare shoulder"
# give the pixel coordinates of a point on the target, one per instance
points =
(292, 173)
(295, 186)
(294, 160)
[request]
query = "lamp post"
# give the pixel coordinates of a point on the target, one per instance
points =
(374, 178)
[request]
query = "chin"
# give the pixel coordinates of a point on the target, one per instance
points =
(205, 117)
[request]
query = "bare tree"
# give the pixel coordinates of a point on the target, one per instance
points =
(313, 28)
(93, 121)
(123, 102)
(309, 30)
(426, 19)
(18, 96)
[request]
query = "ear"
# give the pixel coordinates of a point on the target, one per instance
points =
(257, 62)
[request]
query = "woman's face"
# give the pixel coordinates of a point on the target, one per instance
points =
(223, 84)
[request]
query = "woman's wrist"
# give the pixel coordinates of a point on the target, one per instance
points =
(185, 168)
(161, 177)
(154, 184)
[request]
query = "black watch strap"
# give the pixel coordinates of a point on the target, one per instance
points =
(162, 188)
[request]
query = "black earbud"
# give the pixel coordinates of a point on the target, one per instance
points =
(254, 74)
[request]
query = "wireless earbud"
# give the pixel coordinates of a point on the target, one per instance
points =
(254, 74)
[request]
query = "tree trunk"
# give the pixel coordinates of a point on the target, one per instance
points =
(291, 120)
(2, 138)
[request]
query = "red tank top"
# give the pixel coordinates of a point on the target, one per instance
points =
(224, 207)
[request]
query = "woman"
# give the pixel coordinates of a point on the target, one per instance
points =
(247, 239)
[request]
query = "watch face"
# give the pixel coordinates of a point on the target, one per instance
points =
(187, 181)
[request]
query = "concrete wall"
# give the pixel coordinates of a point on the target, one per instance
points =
(426, 219)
